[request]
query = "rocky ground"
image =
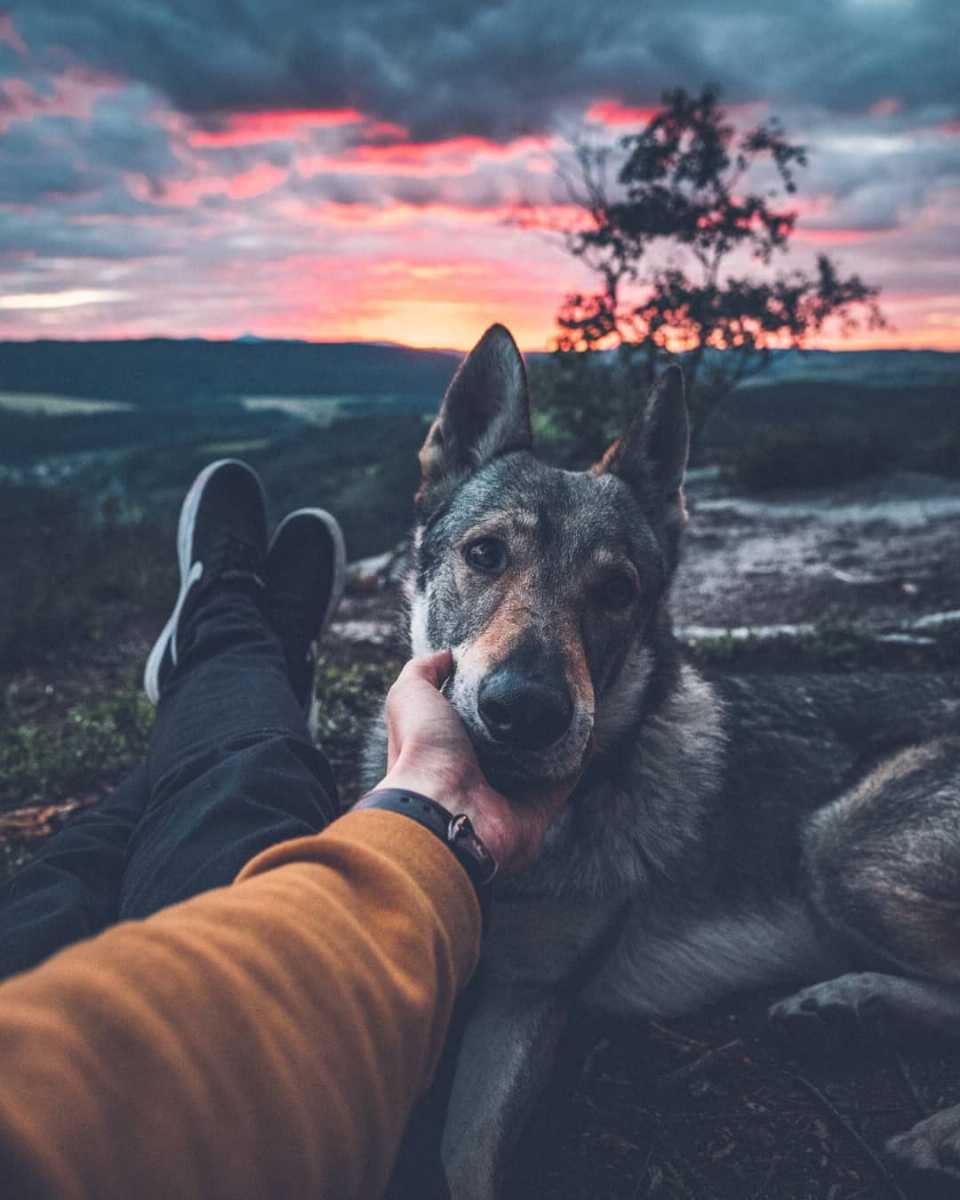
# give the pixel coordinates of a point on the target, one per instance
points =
(710, 1107)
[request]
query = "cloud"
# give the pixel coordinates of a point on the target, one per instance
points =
(255, 163)
(502, 70)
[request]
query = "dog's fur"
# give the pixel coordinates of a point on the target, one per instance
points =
(722, 835)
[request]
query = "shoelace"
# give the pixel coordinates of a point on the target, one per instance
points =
(234, 558)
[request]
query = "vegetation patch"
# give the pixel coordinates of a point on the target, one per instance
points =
(91, 746)
(798, 456)
(831, 647)
(352, 695)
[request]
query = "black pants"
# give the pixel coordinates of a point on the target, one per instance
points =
(230, 770)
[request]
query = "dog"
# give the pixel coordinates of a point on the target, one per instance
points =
(723, 835)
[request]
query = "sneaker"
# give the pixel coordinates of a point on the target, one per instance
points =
(222, 537)
(304, 576)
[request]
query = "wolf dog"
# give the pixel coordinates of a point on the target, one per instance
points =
(750, 832)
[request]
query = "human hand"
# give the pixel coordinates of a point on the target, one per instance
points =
(428, 751)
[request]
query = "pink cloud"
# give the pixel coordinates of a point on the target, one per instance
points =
(247, 129)
(838, 237)
(888, 106)
(362, 216)
(10, 37)
(450, 156)
(73, 94)
(184, 193)
(613, 112)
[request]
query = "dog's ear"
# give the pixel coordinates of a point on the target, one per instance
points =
(652, 455)
(485, 413)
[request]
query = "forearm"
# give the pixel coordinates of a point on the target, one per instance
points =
(266, 1039)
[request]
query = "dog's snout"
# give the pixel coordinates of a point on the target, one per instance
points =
(525, 713)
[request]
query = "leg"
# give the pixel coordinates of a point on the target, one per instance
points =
(504, 1064)
(70, 889)
(884, 869)
(231, 766)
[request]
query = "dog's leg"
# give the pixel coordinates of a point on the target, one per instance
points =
(874, 1001)
(505, 1061)
(884, 869)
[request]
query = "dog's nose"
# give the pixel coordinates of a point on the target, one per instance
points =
(524, 712)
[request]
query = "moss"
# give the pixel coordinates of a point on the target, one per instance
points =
(352, 694)
(832, 647)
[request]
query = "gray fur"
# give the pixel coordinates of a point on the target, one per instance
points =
(719, 837)
(668, 964)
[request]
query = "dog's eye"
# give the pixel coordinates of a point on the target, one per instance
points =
(488, 555)
(617, 591)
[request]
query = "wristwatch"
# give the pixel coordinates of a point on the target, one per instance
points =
(455, 831)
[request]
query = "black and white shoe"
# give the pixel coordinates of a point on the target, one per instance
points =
(304, 576)
(221, 538)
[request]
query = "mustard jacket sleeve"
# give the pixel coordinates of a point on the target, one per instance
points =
(265, 1040)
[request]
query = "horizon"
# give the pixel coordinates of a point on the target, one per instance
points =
(255, 339)
(333, 177)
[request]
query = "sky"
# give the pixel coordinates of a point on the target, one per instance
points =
(387, 170)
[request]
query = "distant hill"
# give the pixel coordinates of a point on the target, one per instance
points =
(876, 368)
(165, 371)
(183, 372)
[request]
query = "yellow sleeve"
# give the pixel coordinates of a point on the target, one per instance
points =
(265, 1040)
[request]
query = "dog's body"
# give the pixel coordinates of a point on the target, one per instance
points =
(721, 836)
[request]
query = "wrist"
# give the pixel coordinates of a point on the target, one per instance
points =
(453, 828)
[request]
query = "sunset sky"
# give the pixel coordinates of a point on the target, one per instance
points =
(354, 171)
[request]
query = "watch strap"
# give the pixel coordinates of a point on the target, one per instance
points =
(456, 831)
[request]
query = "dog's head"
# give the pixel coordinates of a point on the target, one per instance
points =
(549, 585)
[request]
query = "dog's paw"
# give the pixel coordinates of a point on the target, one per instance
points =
(930, 1154)
(829, 1012)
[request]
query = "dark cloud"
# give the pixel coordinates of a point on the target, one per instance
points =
(502, 69)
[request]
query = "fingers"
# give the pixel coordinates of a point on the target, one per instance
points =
(430, 668)
(404, 706)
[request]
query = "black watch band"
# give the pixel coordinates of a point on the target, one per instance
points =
(455, 831)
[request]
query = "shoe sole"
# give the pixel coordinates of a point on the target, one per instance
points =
(332, 526)
(188, 574)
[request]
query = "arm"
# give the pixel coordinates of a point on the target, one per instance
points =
(267, 1039)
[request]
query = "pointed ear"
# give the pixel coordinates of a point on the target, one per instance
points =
(485, 413)
(652, 457)
(652, 454)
